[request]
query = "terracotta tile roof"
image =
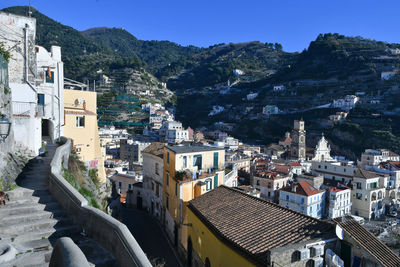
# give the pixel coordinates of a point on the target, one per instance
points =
(156, 149)
(303, 188)
(281, 168)
(360, 173)
(252, 226)
(83, 112)
(369, 242)
(392, 154)
(395, 164)
(295, 164)
(287, 140)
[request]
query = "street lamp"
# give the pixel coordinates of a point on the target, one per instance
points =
(5, 126)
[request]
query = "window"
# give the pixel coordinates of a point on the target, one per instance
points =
(197, 160)
(287, 197)
(184, 162)
(40, 100)
(80, 122)
(167, 157)
(176, 188)
(207, 263)
(258, 182)
(156, 168)
(358, 195)
(167, 178)
(302, 200)
(119, 185)
(129, 186)
(215, 165)
(49, 76)
(208, 184)
(326, 167)
(319, 166)
(358, 185)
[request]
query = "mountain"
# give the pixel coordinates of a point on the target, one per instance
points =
(155, 54)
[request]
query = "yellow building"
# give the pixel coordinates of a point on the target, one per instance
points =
(227, 227)
(189, 171)
(81, 126)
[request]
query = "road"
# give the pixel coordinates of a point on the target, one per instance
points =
(150, 237)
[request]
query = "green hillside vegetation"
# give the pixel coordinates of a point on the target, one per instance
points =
(155, 54)
(216, 63)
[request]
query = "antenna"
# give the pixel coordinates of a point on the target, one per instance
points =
(29, 10)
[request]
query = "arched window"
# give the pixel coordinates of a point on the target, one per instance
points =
(380, 195)
(189, 254)
(207, 263)
(296, 256)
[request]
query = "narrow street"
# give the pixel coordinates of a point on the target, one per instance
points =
(150, 237)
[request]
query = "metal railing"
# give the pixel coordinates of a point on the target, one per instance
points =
(27, 109)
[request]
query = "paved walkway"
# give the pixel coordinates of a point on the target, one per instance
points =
(150, 237)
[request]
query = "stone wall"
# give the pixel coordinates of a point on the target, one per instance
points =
(11, 161)
(113, 235)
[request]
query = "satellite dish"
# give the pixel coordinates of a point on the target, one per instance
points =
(339, 232)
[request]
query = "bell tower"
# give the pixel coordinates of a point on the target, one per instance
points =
(298, 147)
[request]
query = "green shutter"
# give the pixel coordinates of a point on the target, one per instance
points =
(215, 160)
(216, 181)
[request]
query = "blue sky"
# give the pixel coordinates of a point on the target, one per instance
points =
(293, 23)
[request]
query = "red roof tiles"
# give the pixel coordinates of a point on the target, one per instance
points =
(253, 226)
(302, 188)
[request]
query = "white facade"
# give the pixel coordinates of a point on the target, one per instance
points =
(312, 205)
(279, 88)
(372, 157)
(322, 151)
(153, 181)
(252, 96)
(36, 80)
(339, 202)
(387, 75)
(368, 195)
(176, 136)
(346, 103)
(337, 171)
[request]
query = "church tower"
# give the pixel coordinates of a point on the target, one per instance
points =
(298, 147)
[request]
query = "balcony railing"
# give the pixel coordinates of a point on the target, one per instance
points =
(27, 109)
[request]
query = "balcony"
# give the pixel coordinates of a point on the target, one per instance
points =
(187, 175)
(27, 109)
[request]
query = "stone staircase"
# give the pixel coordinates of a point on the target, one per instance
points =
(32, 220)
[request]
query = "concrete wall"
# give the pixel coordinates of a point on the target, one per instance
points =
(113, 235)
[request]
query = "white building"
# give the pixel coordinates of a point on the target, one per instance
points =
(173, 132)
(304, 198)
(346, 103)
(251, 96)
(368, 194)
(387, 75)
(36, 80)
(322, 151)
(231, 143)
(339, 201)
(336, 170)
(373, 157)
(238, 72)
(153, 166)
(269, 183)
(279, 88)
(270, 110)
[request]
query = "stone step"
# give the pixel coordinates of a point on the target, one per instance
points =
(38, 225)
(31, 199)
(53, 233)
(95, 254)
(31, 259)
(19, 218)
(16, 208)
(20, 193)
